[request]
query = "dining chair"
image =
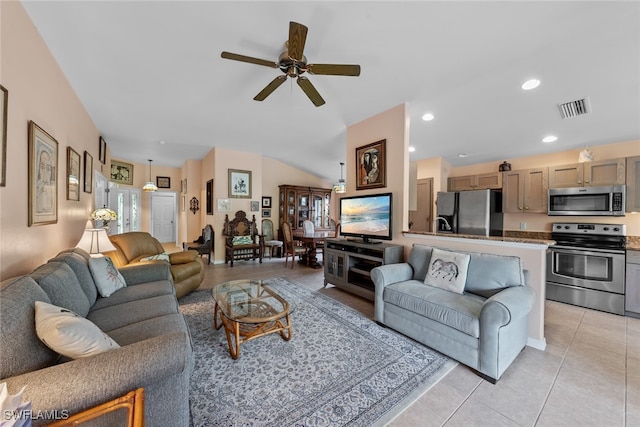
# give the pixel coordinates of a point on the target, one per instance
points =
(270, 240)
(291, 247)
(204, 244)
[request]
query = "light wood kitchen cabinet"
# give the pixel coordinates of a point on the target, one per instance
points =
(633, 184)
(484, 181)
(588, 174)
(525, 190)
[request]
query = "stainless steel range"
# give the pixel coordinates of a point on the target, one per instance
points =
(586, 266)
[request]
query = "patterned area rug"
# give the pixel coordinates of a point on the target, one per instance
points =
(339, 369)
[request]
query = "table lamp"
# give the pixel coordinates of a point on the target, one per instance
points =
(95, 241)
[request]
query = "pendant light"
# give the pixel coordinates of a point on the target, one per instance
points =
(150, 186)
(341, 185)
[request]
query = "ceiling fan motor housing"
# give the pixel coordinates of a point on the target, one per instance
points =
(291, 66)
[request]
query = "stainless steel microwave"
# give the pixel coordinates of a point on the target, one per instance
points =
(587, 201)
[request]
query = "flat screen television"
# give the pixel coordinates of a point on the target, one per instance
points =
(367, 217)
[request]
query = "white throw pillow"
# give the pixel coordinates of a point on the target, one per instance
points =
(69, 334)
(447, 270)
(107, 277)
(159, 257)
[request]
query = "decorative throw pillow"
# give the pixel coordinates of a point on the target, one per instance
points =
(159, 257)
(69, 334)
(107, 277)
(447, 270)
(242, 240)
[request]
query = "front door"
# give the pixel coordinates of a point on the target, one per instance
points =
(128, 210)
(163, 216)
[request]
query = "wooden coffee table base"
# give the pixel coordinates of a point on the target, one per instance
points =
(241, 332)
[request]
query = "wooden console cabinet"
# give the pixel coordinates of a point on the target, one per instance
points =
(348, 264)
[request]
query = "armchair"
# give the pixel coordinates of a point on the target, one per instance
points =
(242, 240)
(204, 244)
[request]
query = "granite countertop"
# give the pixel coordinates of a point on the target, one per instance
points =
(633, 243)
(508, 238)
(533, 237)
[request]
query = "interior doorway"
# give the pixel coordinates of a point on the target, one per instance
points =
(128, 207)
(422, 218)
(163, 216)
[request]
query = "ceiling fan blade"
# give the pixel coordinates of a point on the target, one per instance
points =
(334, 69)
(270, 88)
(249, 59)
(311, 91)
(297, 39)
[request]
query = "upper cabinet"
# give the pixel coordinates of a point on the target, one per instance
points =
(589, 174)
(633, 184)
(484, 181)
(525, 191)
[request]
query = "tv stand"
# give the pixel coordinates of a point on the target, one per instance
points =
(348, 263)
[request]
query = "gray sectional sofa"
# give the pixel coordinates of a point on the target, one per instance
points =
(484, 328)
(143, 318)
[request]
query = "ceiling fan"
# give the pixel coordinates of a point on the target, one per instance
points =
(293, 64)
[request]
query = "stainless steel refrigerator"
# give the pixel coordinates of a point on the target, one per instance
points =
(476, 212)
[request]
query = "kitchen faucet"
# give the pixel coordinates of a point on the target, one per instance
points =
(446, 224)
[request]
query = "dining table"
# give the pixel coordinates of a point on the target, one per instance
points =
(311, 241)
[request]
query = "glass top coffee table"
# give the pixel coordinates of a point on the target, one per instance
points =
(249, 310)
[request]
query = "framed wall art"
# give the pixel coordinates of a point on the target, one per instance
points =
(266, 213)
(183, 186)
(88, 172)
(224, 205)
(4, 105)
(209, 191)
(43, 181)
(163, 181)
(102, 150)
(73, 175)
(121, 172)
(239, 184)
(371, 170)
(255, 206)
(266, 201)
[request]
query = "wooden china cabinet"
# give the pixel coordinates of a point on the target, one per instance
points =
(297, 203)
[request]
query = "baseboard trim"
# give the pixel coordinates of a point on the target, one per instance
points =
(537, 344)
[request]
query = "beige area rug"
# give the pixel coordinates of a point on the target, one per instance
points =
(339, 369)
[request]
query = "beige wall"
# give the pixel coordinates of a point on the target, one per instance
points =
(38, 91)
(391, 125)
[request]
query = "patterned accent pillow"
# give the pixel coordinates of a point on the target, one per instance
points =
(69, 334)
(447, 270)
(107, 277)
(159, 257)
(242, 240)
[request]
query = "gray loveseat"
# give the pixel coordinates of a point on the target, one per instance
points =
(484, 328)
(144, 319)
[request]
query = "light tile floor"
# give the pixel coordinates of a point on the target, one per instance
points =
(589, 374)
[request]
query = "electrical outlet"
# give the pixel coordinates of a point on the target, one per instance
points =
(523, 226)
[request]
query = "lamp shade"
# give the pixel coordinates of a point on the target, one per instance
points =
(95, 241)
(149, 187)
(104, 214)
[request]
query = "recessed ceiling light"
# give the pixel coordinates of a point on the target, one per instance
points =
(412, 149)
(461, 155)
(550, 138)
(530, 84)
(162, 142)
(427, 117)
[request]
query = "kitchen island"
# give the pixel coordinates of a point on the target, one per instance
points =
(532, 252)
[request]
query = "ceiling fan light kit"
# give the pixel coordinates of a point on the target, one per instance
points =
(293, 63)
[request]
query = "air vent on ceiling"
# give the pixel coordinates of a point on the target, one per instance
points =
(575, 108)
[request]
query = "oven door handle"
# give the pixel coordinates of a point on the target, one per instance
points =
(587, 251)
